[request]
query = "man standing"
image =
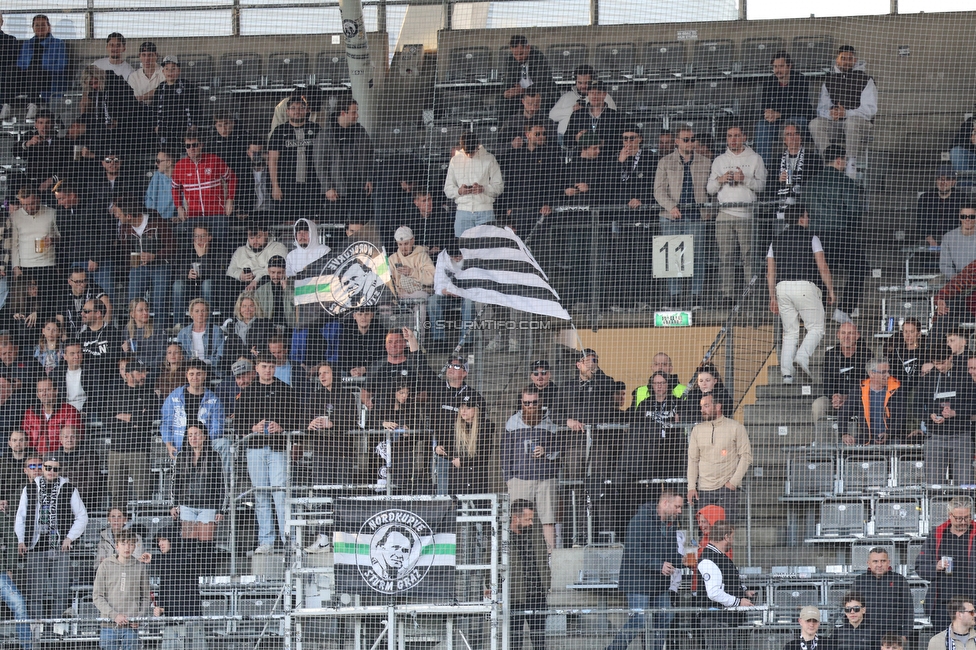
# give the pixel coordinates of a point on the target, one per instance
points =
(946, 561)
(879, 404)
(100, 341)
(33, 238)
(134, 410)
(291, 165)
(781, 100)
(737, 176)
(795, 289)
(650, 559)
(43, 421)
(575, 99)
(121, 592)
(147, 78)
(679, 186)
(597, 118)
(887, 595)
(147, 240)
(50, 518)
(267, 408)
(203, 189)
(719, 455)
(959, 635)
(844, 366)
(529, 575)
(936, 211)
(792, 164)
(528, 68)
(43, 63)
(344, 162)
(946, 399)
(723, 586)
(848, 103)
(959, 244)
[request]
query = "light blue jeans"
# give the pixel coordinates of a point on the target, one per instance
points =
(186, 636)
(464, 219)
(435, 312)
(267, 469)
(695, 228)
(15, 601)
(118, 638)
(635, 624)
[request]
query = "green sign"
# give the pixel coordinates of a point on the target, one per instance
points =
(672, 319)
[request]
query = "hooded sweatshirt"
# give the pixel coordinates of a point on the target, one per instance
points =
(745, 192)
(246, 257)
(302, 256)
(481, 168)
(121, 589)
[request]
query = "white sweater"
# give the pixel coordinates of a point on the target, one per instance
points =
(24, 229)
(481, 168)
(754, 171)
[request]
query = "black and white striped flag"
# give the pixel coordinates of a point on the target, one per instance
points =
(499, 270)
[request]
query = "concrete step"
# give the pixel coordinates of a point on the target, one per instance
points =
(779, 412)
(783, 391)
(781, 434)
(774, 376)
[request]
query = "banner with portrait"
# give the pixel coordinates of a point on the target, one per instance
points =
(395, 548)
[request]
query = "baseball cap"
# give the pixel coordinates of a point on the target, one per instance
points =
(473, 400)
(458, 360)
(147, 46)
(171, 58)
(276, 262)
(588, 352)
(241, 367)
(136, 365)
(809, 613)
(402, 234)
(540, 364)
(945, 171)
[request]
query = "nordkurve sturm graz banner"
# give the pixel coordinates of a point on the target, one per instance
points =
(396, 548)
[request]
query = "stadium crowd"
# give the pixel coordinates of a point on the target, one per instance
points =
(86, 231)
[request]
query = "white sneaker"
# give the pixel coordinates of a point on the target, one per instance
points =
(5, 112)
(851, 169)
(841, 317)
(321, 545)
(787, 379)
(513, 345)
(31, 111)
(263, 549)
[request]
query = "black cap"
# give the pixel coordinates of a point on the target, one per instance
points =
(136, 365)
(833, 152)
(473, 399)
(147, 46)
(588, 352)
(276, 262)
(541, 363)
(596, 84)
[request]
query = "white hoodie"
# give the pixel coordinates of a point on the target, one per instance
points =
(754, 171)
(300, 257)
(481, 168)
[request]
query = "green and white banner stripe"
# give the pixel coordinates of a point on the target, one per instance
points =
(350, 548)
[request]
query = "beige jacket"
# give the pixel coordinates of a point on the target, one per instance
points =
(719, 452)
(938, 642)
(670, 177)
(421, 267)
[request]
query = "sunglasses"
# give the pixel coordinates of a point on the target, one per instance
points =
(540, 373)
(52, 468)
(111, 159)
(687, 140)
(455, 366)
(191, 145)
(967, 217)
(34, 466)
(531, 402)
(852, 610)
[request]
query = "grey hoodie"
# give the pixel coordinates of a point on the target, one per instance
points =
(121, 589)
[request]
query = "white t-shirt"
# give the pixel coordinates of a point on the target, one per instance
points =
(199, 349)
(122, 69)
(75, 393)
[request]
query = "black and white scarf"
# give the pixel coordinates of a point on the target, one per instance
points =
(811, 644)
(793, 166)
(48, 501)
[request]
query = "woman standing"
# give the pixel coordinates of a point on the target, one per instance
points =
(468, 449)
(199, 494)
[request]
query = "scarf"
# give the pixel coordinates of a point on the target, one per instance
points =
(794, 172)
(812, 645)
(48, 518)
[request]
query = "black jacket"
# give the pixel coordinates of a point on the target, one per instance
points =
(791, 100)
(889, 603)
(179, 592)
(273, 402)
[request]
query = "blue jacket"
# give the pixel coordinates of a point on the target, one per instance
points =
(650, 543)
(173, 427)
(55, 61)
(159, 195)
(213, 343)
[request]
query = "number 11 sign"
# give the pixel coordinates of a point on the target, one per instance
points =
(673, 256)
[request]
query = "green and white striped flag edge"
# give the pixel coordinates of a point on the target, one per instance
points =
(347, 547)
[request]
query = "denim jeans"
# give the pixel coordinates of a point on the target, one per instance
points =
(435, 311)
(55, 567)
(186, 636)
(767, 134)
(15, 601)
(154, 277)
(186, 290)
(635, 624)
(963, 160)
(118, 638)
(222, 447)
(465, 219)
(695, 228)
(267, 469)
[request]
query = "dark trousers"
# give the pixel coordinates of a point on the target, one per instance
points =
(537, 630)
(728, 499)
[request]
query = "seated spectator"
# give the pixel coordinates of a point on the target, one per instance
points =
(432, 223)
(147, 78)
(782, 100)
(17, 369)
(413, 270)
(291, 157)
(474, 180)
(963, 152)
(954, 302)
(596, 118)
(937, 211)
(847, 106)
(33, 240)
(80, 291)
(878, 417)
(85, 231)
(448, 263)
(249, 262)
(308, 249)
(198, 269)
(172, 372)
(43, 63)
(905, 352)
(100, 341)
(159, 194)
(530, 460)
(117, 522)
(795, 167)
(362, 343)
(44, 420)
(12, 461)
(82, 385)
(204, 186)
(945, 403)
(183, 402)
(176, 105)
(275, 295)
(201, 339)
(959, 244)
(345, 161)
(844, 364)
(200, 499)
(82, 465)
(147, 240)
(49, 350)
(133, 410)
(144, 339)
